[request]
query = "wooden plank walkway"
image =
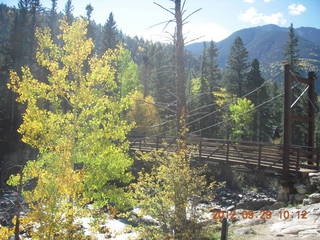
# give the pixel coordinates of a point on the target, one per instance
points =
(251, 154)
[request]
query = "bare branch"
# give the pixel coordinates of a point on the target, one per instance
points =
(184, 23)
(199, 9)
(157, 24)
(164, 8)
(171, 35)
(195, 39)
(183, 5)
(168, 24)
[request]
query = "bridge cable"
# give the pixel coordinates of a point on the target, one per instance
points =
(229, 119)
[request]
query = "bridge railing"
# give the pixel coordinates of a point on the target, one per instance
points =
(246, 153)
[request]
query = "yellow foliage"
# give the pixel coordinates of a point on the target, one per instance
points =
(144, 113)
(71, 118)
(166, 193)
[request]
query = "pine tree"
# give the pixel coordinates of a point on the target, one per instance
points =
(261, 126)
(68, 9)
(89, 10)
(205, 93)
(291, 50)
(91, 31)
(237, 68)
(110, 34)
(53, 18)
(291, 55)
(214, 71)
(34, 8)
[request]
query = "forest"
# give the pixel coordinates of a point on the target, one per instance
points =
(73, 95)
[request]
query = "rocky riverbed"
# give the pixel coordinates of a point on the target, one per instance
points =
(292, 226)
(300, 222)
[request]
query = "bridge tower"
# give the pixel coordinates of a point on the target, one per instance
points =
(290, 80)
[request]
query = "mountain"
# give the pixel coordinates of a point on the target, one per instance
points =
(267, 43)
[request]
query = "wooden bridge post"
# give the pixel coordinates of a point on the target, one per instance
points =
(287, 124)
(318, 160)
(200, 149)
(157, 143)
(259, 156)
(224, 229)
(284, 191)
(311, 113)
(140, 144)
(227, 155)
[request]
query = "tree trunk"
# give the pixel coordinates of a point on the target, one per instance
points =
(180, 73)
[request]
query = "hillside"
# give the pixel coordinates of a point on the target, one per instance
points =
(266, 43)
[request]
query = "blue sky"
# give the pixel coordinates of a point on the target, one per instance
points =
(216, 20)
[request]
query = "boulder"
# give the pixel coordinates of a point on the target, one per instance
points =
(298, 198)
(297, 228)
(244, 230)
(255, 204)
(306, 201)
(309, 233)
(301, 188)
(315, 180)
(315, 198)
(277, 205)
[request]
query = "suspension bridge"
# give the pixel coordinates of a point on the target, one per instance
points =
(284, 158)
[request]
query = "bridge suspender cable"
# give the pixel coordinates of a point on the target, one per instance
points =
(221, 108)
(243, 96)
(229, 119)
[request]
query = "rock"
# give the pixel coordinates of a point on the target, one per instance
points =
(298, 198)
(277, 205)
(306, 201)
(298, 228)
(311, 232)
(230, 208)
(315, 180)
(315, 198)
(251, 222)
(244, 230)
(255, 204)
(301, 188)
(314, 174)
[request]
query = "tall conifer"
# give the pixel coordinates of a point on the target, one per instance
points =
(237, 67)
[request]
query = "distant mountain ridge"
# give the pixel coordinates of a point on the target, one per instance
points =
(267, 44)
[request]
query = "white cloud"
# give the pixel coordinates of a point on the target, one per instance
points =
(267, 1)
(207, 32)
(249, 1)
(296, 9)
(254, 17)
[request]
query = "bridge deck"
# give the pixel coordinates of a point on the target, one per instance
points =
(260, 155)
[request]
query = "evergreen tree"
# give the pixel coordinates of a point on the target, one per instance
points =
(68, 9)
(291, 55)
(291, 50)
(204, 79)
(89, 10)
(237, 68)
(91, 31)
(214, 71)
(34, 8)
(205, 93)
(110, 34)
(53, 18)
(261, 126)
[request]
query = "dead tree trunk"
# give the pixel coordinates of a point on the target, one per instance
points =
(180, 72)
